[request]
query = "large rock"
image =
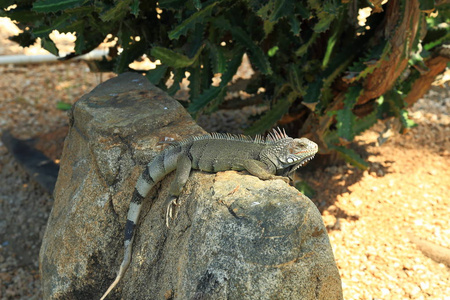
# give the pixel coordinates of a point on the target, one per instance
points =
(236, 237)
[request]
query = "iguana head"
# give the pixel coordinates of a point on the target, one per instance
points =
(288, 154)
(299, 151)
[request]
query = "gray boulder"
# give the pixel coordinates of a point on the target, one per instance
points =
(235, 237)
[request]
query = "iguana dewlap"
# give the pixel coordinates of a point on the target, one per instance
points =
(274, 157)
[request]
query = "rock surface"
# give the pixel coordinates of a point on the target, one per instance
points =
(236, 237)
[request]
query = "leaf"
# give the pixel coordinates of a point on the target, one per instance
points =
(214, 104)
(155, 75)
(352, 96)
(55, 5)
(117, 12)
(337, 65)
(257, 56)
(210, 94)
(232, 66)
(281, 9)
(190, 22)
(268, 28)
(194, 82)
(264, 11)
(195, 40)
(330, 137)
(6, 3)
(132, 50)
(171, 4)
(303, 48)
(325, 20)
(217, 58)
(50, 46)
(305, 189)
(396, 98)
(80, 44)
(427, 5)
(177, 77)
(172, 58)
(295, 24)
(205, 72)
(135, 7)
(43, 31)
(24, 39)
(296, 79)
(345, 123)
(63, 105)
(438, 42)
(272, 51)
(77, 27)
(23, 15)
(341, 60)
(273, 115)
(311, 99)
(407, 123)
(197, 4)
(345, 117)
(326, 12)
(368, 62)
(302, 11)
(362, 124)
(352, 157)
(206, 97)
(334, 38)
(273, 10)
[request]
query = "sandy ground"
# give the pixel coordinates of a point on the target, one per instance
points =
(370, 215)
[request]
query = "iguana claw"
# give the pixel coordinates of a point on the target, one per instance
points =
(285, 179)
(171, 205)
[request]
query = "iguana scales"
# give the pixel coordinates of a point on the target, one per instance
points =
(274, 157)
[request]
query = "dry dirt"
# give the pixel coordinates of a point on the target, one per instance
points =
(371, 215)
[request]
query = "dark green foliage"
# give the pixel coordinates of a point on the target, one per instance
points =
(426, 5)
(311, 57)
(63, 105)
(305, 189)
(47, 6)
(393, 105)
(351, 157)
(280, 108)
(345, 117)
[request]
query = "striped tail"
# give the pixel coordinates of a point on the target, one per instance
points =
(154, 172)
(141, 190)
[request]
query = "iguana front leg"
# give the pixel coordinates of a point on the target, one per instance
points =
(184, 166)
(262, 171)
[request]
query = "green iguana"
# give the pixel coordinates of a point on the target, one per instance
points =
(274, 157)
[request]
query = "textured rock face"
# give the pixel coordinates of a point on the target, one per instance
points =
(250, 239)
(236, 237)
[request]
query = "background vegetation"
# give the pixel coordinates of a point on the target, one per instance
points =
(325, 73)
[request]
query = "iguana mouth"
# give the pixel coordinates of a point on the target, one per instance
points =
(292, 168)
(304, 161)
